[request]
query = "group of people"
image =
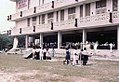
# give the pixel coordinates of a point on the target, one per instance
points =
(41, 54)
(78, 57)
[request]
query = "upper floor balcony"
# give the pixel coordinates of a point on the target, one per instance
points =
(100, 20)
(51, 6)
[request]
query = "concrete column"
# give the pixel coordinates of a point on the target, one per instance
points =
(26, 42)
(59, 40)
(41, 40)
(84, 36)
(117, 37)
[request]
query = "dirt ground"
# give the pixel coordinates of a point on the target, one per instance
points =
(29, 76)
(14, 68)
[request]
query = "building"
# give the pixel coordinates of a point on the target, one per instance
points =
(61, 21)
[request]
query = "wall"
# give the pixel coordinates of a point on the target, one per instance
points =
(21, 24)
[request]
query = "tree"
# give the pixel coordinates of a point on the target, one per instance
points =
(5, 41)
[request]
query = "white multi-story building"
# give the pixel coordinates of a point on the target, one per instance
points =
(61, 21)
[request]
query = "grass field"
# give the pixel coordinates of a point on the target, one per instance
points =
(13, 68)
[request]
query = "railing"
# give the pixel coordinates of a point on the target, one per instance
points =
(15, 16)
(97, 20)
(61, 3)
(43, 27)
(115, 15)
(28, 12)
(64, 24)
(14, 31)
(100, 19)
(44, 7)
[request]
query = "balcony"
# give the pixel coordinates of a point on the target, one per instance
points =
(115, 16)
(100, 20)
(48, 7)
(62, 3)
(44, 7)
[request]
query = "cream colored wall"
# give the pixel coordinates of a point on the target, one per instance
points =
(21, 24)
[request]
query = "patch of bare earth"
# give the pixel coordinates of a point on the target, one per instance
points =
(37, 76)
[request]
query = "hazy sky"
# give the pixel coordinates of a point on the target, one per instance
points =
(6, 8)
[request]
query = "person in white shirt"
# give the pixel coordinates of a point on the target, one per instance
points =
(74, 56)
(48, 56)
(41, 54)
(111, 46)
(95, 47)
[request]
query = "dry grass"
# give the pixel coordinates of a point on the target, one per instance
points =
(35, 71)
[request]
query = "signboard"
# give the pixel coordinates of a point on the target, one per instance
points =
(21, 4)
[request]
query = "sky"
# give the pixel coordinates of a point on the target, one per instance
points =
(7, 7)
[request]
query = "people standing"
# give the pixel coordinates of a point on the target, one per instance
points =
(95, 47)
(44, 54)
(67, 58)
(53, 50)
(111, 46)
(74, 57)
(48, 56)
(41, 54)
(85, 56)
(81, 56)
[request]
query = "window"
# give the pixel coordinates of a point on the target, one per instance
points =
(28, 22)
(115, 5)
(34, 21)
(33, 18)
(101, 7)
(43, 19)
(87, 9)
(62, 15)
(81, 11)
(42, 1)
(39, 2)
(71, 13)
(72, 10)
(50, 17)
(57, 16)
(101, 3)
(28, 4)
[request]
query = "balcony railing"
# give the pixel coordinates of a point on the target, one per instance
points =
(45, 7)
(62, 3)
(100, 19)
(15, 16)
(115, 15)
(85, 22)
(64, 24)
(28, 12)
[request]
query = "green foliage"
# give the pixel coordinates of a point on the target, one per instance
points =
(5, 41)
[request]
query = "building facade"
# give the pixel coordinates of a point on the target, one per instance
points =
(62, 21)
